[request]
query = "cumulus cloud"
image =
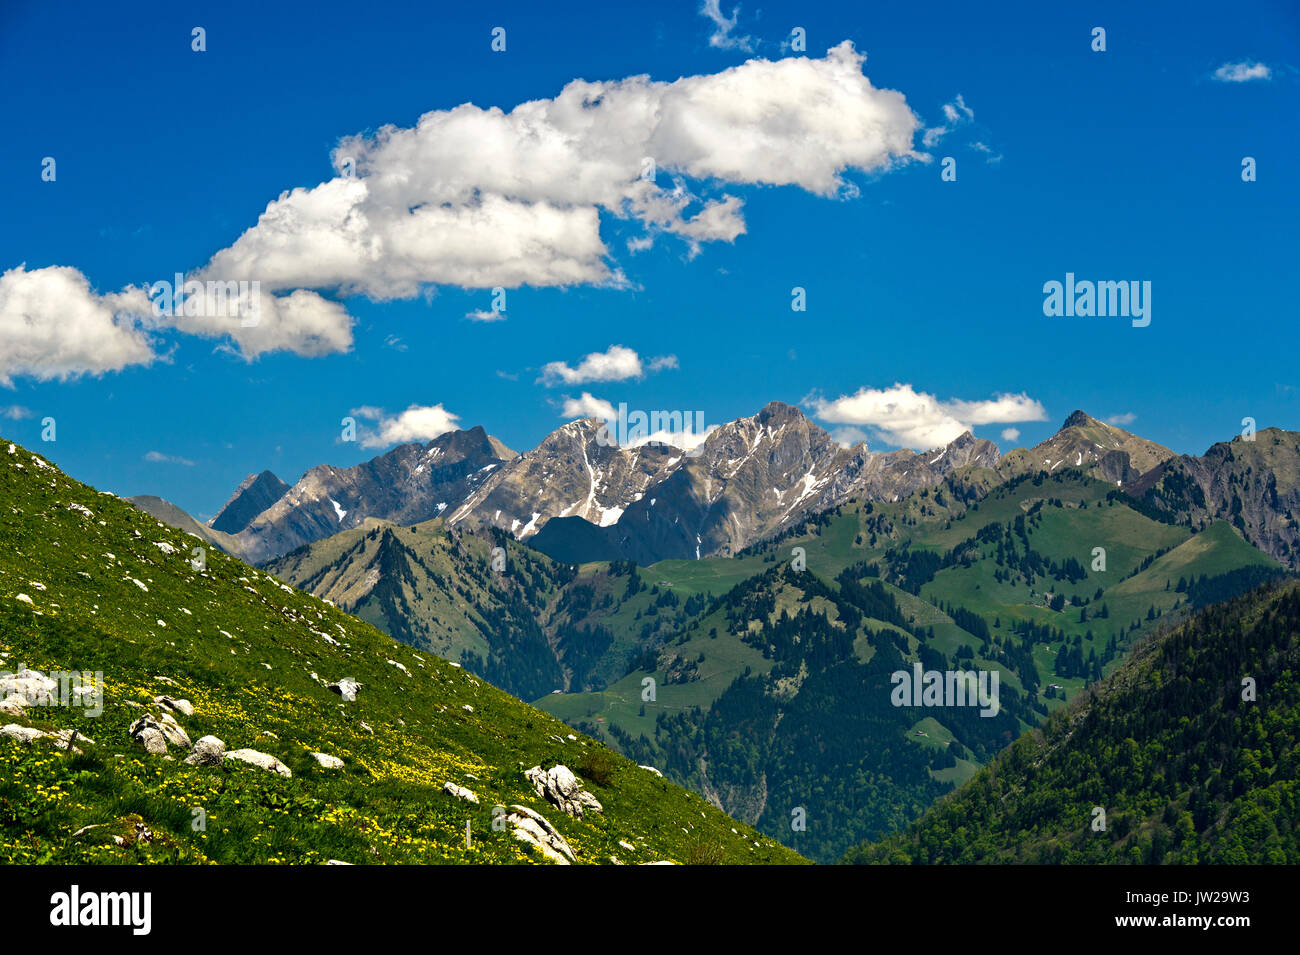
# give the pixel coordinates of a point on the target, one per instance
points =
(721, 37)
(662, 362)
(485, 315)
(480, 198)
(1010, 434)
(54, 326)
(1122, 420)
(909, 418)
(301, 322)
(588, 406)
(15, 412)
(1242, 72)
(618, 363)
(416, 423)
(157, 457)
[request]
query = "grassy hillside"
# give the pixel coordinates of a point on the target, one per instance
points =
(89, 583)
(1187, 764)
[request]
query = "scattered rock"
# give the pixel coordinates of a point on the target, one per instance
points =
(651, 769)
(261, 760)
(533, 829)
(13, 706)
(460, 792)
(327, 761)
(148, 732)
(208, 751)
(561, 788)
(346, 688)
(24, 734)
(183, 707)
(336, 862)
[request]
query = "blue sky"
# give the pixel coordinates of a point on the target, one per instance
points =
(1115, 165)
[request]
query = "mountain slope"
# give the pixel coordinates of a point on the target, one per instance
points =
(437, 590)
(1252, 484)
(1186, 764)
(89, 583)
(252, 497)
(173, 516)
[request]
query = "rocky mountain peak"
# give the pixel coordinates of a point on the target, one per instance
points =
(1079, 419)
(777, 413)
(255, 494)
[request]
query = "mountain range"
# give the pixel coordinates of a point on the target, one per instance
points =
(579, 497)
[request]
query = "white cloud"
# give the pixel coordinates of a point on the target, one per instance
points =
(721, 37)
(662, 362)
(1010, 434)
(301, 322)
(908, 418)
(485, 315)
(416, 423)
(157, 457)
(15, 412)
(588, 407)
(955, 114)
(686, 439)
(54, 326)
(1122, 420)
(1242, 72)
(618, 363)
(479, 198)
(847, 436)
